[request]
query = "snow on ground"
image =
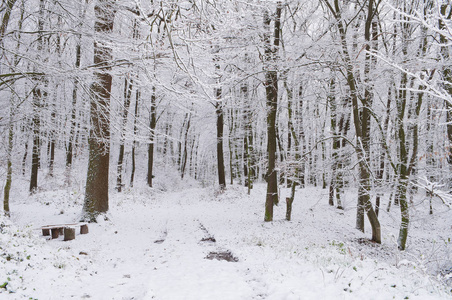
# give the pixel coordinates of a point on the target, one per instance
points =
(154, 244)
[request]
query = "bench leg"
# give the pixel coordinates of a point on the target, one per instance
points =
(69, 233)
(55, 233)
(84, 229)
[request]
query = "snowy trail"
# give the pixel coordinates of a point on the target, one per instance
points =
(181, 270)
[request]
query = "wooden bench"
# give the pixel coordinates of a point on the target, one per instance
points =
(68, 230)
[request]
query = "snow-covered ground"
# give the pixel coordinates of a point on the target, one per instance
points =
(155, 244)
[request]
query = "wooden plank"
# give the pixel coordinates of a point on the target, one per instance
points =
(62, 225)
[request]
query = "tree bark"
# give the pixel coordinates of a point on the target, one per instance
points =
(220, 126)
(38, 95)
(271, 89)
(5, 21)
(361, 120)
(96, 192)
(9, 170)
(12, 114)
(447, 78)
(135, 131)
(128, 85)
(184, 153)
(152, 126)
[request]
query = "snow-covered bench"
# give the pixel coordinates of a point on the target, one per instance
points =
(68, 230)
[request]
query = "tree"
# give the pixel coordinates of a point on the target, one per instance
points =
(446, 15)
(39, 94)
(271, 90)
(96, 192)
(13, 106)
(361, 115)
(152, 126)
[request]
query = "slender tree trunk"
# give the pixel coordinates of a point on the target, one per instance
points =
(152, 126)
(231, 146)
(38, 95)
(135, 132)
(12, 114)
(295, 180)
(220, 125)
(219, 110)
(184, 153)
(96, 192)
(407, 165)
(361, 122)
(128, 86)
(72, 133)
(9, 170)
(248, 167)
(447, 78)
(52, 131)
(336, 170)
(24, 158)
(6, 16)
(179, 143)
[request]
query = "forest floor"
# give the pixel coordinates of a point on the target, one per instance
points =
(183, 241)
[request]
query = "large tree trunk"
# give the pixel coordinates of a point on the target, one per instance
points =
(271, 89)
(96, 193)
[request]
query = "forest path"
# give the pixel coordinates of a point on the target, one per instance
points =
(181, 269)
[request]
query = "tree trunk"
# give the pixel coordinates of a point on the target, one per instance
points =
(295, 180)
(271, 89)
(135, 131)
(152, 126)
(71, 141)
(96, 192)
(13, 110)
(220, 154)
(128, 85)
(231, 142)
(361, 120)
(9, 170)
(336, 169)
(38, 95)
(6, 17)
(447, 78)
(184, 153)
